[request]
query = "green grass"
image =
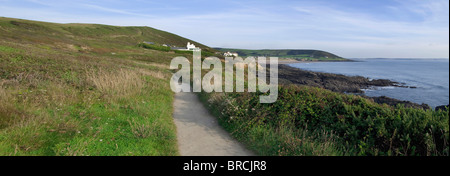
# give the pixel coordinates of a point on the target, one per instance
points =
(154, 47)
(6, 49)
(64, 92)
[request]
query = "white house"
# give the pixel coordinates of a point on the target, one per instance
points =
(191, 47)
(230, 54)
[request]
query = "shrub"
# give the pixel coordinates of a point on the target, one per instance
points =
(182, 52)
(361, 126)
(154, 47)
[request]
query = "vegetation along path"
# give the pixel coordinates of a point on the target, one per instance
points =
(199, 133)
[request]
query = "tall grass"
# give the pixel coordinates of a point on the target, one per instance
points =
(117, 84)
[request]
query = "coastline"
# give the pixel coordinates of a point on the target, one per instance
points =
(285, 61)
(341, 83)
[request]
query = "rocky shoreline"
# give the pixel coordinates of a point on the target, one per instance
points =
(342, 84)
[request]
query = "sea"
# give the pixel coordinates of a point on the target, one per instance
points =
(430, 76)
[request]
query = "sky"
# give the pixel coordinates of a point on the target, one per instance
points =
(348, 28)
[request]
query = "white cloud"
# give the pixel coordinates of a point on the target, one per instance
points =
(112, 10)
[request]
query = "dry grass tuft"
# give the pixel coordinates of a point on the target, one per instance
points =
(153, 64)
(6, 109)
(3, 94)
(31, 80)
(142, 129)
(122, 83)
(73, 149)
(155, 74)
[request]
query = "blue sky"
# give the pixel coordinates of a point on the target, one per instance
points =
(349, 28)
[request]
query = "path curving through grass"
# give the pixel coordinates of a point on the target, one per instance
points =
(199, 133)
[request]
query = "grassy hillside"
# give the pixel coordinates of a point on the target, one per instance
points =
(94, 35)
(84, 89)
(293, 54)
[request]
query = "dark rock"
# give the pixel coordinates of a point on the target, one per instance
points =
(443, 108)
(383, 82)
(334, 82)
(342, 84)
(395, 102)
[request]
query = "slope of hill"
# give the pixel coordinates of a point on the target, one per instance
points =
(85, 89)
(86, 34)
(293, 54)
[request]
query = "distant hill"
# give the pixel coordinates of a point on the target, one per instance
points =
(286, 53)
(87, 34)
